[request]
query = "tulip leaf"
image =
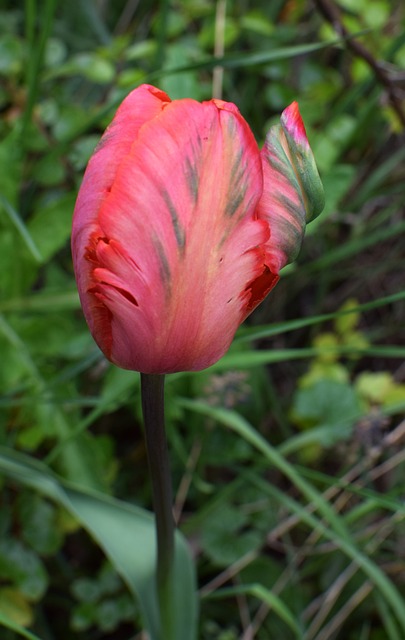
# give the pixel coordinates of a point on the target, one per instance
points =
(126, 534)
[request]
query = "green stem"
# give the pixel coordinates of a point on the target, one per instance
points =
(152, 388)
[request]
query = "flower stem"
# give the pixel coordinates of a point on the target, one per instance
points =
(152, 389)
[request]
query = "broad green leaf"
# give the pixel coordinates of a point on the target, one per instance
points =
(225, 525)
(126, 534)
(325, 402)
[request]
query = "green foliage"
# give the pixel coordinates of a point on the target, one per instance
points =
(101, 602)
(125, 533)
(287, 455)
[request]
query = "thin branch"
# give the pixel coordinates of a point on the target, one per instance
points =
(332, 14)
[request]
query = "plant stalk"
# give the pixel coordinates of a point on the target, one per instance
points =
(152, 390)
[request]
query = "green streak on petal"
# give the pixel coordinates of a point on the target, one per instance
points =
(192, 178)
(307, 173)
(291, 229)
(237, 186)
(164, 267)
(234, 202)
(178, 230)
(236, 171)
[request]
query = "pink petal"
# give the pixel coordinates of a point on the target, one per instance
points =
(140, 106)
(292, 190)
(179, 253)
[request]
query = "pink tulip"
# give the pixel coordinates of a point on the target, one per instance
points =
(182, 225)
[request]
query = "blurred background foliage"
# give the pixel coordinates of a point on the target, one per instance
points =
(287, 455)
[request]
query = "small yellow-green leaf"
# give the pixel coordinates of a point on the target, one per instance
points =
(323, 370)
(326, 345)
(14, 605)
(374, 387)
(348, 321)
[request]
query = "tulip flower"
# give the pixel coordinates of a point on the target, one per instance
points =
(182, 225)
(180, 230)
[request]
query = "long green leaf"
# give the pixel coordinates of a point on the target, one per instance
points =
(126, 534)
(241, 59)
(354, 246)
(376, 499)
(252, 358)
(246, 334)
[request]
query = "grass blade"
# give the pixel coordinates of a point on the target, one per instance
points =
(13, 626)
(21, 228)
(336, 529)
(246, 334)
(267, 597)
